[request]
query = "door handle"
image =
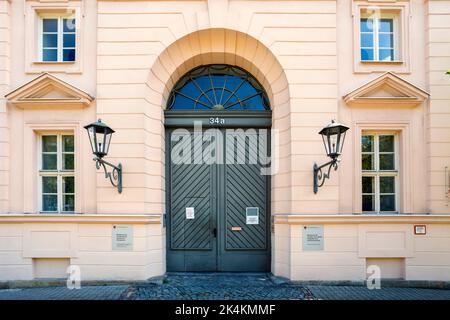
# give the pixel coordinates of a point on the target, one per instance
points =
(215, 232)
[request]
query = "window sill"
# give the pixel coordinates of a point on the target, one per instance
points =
(381, 62)
(386, 213)
(54, 62)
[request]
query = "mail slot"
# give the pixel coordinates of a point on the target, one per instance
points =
(236, 228)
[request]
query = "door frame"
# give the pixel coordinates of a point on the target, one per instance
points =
(233, 119)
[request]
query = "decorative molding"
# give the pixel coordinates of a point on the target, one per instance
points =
(402, 128)
(48, 91)
(60, 241)
(387, 89)
(385, 241)
(81, 218)
(30, 169)
(32, 12)
(361, 219)
(402, 10)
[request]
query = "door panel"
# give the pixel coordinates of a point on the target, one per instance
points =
(191, 244)
(220, 194)
(245, 187)
(244, 247)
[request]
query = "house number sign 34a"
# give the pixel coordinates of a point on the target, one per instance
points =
(216, 120)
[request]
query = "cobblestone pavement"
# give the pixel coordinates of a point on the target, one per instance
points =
(362, 293)
(222, 286)
(62, 293)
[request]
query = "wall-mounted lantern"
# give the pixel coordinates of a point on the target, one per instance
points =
(333, 136)
(100, 138)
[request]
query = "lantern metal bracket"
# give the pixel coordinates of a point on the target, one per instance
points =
(115, 176)
(320, 176)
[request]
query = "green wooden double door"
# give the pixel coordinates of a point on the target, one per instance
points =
(218, 211)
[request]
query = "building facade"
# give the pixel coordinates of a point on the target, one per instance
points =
(280, 71)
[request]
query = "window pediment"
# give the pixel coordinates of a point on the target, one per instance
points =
(47, 91)
(387, 89)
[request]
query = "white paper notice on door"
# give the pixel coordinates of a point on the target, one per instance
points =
(252, 215)
(190, 213)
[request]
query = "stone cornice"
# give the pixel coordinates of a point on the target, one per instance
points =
(361, 219)
(81, 218)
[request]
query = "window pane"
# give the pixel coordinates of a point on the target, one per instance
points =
(69, 55)
(368, 203)
(367, 40)
(49, 185)
(69, 25)
(49, 202)
(367, 143)
(368, 185)
(68, 184)
(69, 40)
(387, 161)
(367, 54)
(387, 203)
(107, 142)
(386, 25)
(386, 54)
(366, 25)
(387, 184)
(68, 143)
(386, 143)
(68, 203)
(68, 161)
(386, 40)
(50, 40)
(49, 161)
(367, 162)
(49, 55)
(50, 25)
(49, 143)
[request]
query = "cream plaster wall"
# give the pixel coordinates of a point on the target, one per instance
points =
(5, 45)
(438, 115)
(26, 123)
(351, 246)
(413, 197)
(86, 242)
(302, 52)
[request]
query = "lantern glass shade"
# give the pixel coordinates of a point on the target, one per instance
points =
(333, 136)
(99, 137)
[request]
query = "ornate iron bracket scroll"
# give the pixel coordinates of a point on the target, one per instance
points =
(115, 176)
(320, 176)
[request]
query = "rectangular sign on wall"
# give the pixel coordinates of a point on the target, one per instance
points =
(190, 213)
(313, 238)
(122, 237)
(252, 215)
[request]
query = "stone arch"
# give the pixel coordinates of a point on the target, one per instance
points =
(225, 46)
(212, 46)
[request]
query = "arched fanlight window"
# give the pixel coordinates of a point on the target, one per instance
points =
(218, 87)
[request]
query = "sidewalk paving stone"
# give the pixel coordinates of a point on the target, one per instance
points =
(222, 286)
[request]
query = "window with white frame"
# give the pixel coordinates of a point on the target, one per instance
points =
(57, 172)
(57, 38)
(379, 37)
(379, 158)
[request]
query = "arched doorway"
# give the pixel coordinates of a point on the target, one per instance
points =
(218, 123)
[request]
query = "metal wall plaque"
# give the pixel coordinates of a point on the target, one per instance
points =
(420, 229)
(252, 215)
(313, 238)
(122, 237)
(190, 213)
